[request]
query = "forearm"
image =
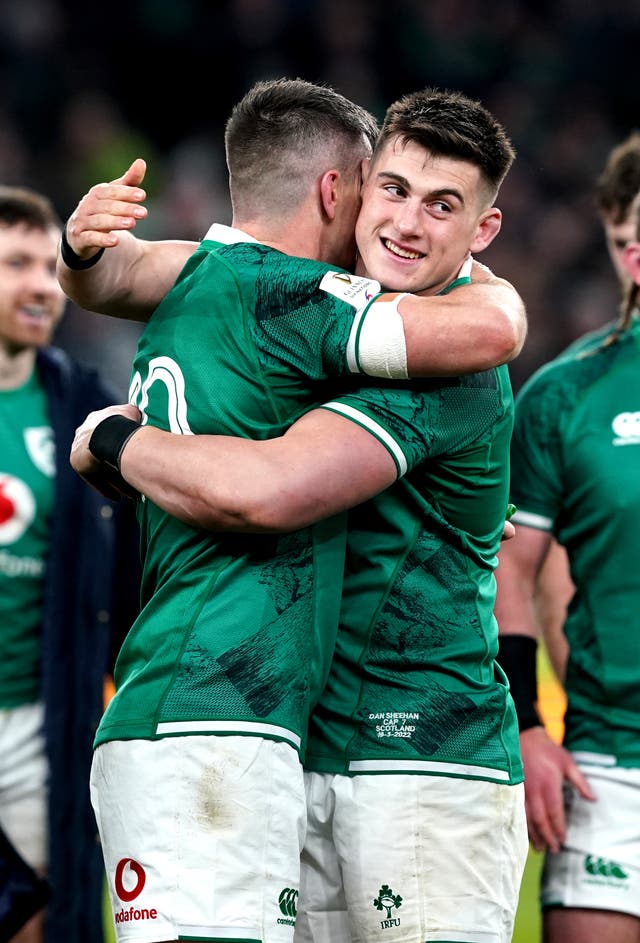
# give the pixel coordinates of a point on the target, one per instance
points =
(189, 477)
(517, 572)
(515, 608)
(129, 280)
(473, 328)
(282, 484)
(553, 592)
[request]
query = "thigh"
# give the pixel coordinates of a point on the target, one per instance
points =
(24, 778)
(428, 858)
(598, 866)
(201, 837)
(589, 926)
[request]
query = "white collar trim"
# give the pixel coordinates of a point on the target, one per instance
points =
(227, 234)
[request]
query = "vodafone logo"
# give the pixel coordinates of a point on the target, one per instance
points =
(130, 879)
(17, 508)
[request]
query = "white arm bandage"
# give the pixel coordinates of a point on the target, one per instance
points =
(381, 349)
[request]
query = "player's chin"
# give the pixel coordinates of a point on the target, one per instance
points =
(401, 278)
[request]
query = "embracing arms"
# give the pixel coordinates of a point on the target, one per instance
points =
(219, 482)
(476, 327)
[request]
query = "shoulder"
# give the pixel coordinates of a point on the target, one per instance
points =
(572, 371)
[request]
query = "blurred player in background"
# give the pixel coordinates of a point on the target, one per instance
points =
(61, 590)
(576, 477)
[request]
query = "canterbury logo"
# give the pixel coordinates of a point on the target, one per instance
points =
(603, 868)
(288, 902)
(128, 866)
(626, 427)
(342, 277)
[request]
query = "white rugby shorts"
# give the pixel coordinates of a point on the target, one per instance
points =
(599, 863)
(201, 837)
(24, 783)
(400, 858)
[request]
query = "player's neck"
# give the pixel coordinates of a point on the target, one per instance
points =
(16, 366)
(296, 235)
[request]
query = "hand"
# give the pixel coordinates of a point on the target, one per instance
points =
(106, 208)
(547, 766)
(102, 477)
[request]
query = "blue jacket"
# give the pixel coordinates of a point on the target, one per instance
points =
(91, 598)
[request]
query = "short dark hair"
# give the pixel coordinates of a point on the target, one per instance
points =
(449, 124)
(619, 182)
(26, 206)
(284, 130)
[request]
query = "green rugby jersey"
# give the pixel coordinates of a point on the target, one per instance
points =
(412, 686)
(236, 631)
(576, 473)
(27, 483)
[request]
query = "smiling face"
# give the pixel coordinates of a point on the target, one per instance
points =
(31, 300)
(421, 216)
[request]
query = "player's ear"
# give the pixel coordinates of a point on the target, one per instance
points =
(631, 261)
(488, 228)
(329, 192)
(365, 169)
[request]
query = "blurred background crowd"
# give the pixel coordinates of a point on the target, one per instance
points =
(87, 87)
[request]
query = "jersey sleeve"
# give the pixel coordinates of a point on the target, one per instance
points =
(426, 419)
(536, 452)
(307, 317)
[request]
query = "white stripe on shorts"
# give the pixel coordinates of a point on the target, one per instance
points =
(427, 766)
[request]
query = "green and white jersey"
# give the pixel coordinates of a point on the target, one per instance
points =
(27, 478)
(412, 687)
(576, 473)
(236, 631)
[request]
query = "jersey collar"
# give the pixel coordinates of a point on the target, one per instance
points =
(227, 235)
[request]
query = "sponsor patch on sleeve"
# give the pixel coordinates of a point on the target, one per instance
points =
(356, 290)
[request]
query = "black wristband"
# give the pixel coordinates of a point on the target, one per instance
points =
(517, 658)
(109, 438)
(72, 260)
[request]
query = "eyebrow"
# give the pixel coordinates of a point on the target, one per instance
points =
(433, 194)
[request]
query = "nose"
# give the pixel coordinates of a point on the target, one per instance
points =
(43, 281)
(408, 218)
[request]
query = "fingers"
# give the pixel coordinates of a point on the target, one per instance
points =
(544, 763)
(103, 479)
(549, 768)
(81, 458)
(579, 782)
(134, 175)
(107, 209)
(546, 818)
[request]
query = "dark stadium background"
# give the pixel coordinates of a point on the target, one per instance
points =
(85, 87)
